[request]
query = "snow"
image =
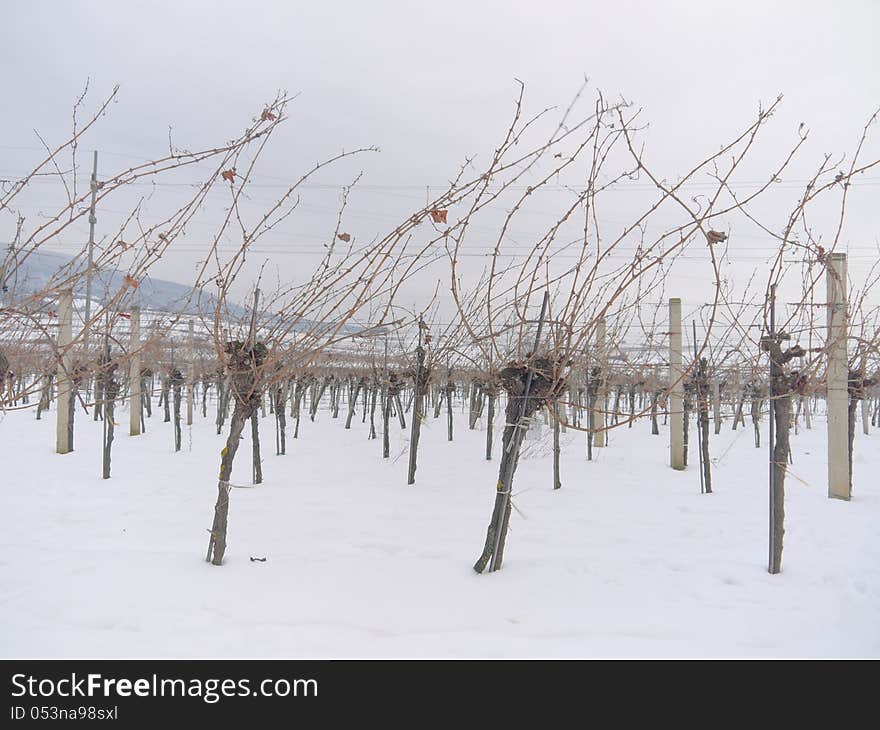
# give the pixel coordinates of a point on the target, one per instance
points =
(628, 559)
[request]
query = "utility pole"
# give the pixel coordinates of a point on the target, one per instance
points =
(10, 255)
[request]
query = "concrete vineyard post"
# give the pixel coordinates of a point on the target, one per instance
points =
(836, 379)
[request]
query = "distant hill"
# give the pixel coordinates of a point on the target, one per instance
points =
(158, 295)
(155, 294)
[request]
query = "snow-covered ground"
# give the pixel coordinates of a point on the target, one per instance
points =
(628, 559)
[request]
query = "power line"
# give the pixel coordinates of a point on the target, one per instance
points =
(558, 187)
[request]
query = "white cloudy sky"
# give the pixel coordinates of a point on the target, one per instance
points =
(430, 83)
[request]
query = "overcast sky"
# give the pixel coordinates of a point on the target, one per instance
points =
(430, 83)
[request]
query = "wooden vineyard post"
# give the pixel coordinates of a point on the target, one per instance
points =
(134, 373)
(599, 437)
(63, 424)
(450, 394)
(190, 375)
(176, 381)
(776, 504)
(492, 393)
(866, 401)
(676, 388)
(655, 396)
(557, 482)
